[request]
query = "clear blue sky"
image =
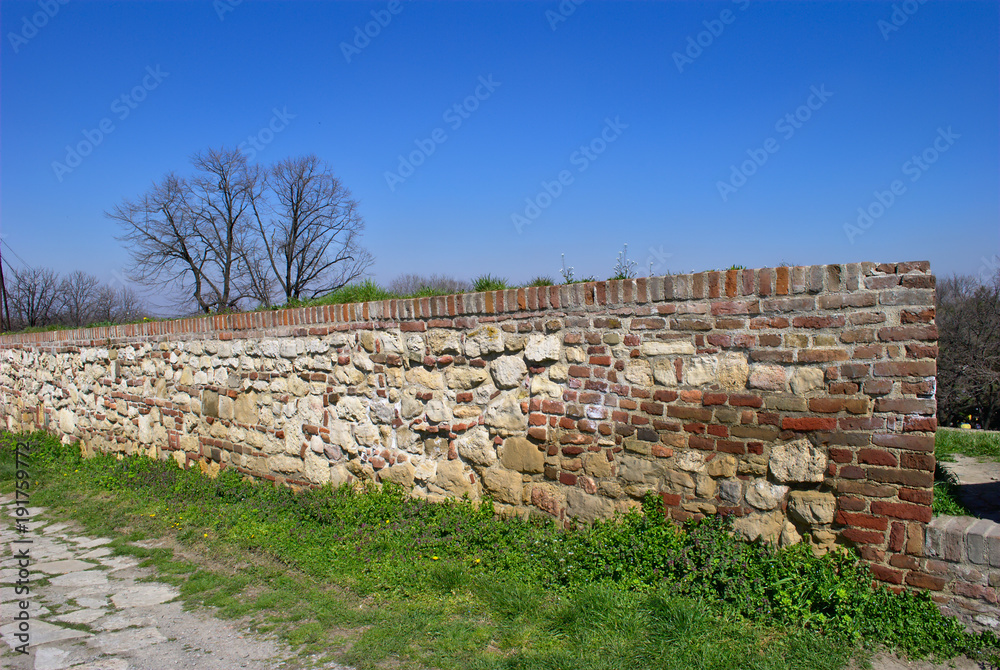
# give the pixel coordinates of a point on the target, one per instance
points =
(887, 92)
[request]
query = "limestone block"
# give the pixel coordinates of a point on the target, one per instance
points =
(639, 372)
(664, 371)
(522, 455)
(723, 465)
(690, 461)
(587, 507)
(767, 377)
(730, 491)
(504, 413)
(789, 535)
(704, 486)
(227, 408)
(558, 372)
(678, 481)
(733, 371)
(67, 421)
(508, 371)
(805, 380)
(476, 446)
(699, 370)
(797, 461)
(444, 342)
(436, 448)
(401, 473)
(542, 386)
(812, 507)
(764, 495)
(484, 340)
(351, 408)
(669, 348)
(210, 403)
(541, 348)
(504, 485)
(465, 377)
(767, 526)
(548, 498)
(316, 468)
(285, 463)
(455, 478)
(596, 464)
(437, 411)
(424, 378)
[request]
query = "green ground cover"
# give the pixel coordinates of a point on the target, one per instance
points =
(376, 579)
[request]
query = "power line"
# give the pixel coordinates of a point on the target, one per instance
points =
(26, 264)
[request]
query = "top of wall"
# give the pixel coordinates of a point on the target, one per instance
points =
(419, 313)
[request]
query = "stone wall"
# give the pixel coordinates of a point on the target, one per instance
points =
(799, 399)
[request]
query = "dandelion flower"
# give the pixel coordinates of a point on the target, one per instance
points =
(434, 558)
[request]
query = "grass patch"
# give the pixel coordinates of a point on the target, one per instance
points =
(382, 580)
(982, 444)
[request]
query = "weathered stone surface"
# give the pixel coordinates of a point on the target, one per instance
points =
(587, 507)
(67, 421)
(699, 370)
(541, 348)
(437, 411)
(812, 507)
(401, 473)
(664, 371)
(505, 414)
(805, 380)
(691, 461)
(466, 377)
(723, 465)
(542, 386)
(508, 371)
(670, 348)
(639, 373)
(730, 491)
(596, 464)
(733, 371)
(453, 477)
(767, 377)
(548, 498)
(797, 461)
(421, 376)
(210, 403)
(522, 455)
(789, 535)
(766, 526)
(484, 340)
(503, 485)
(764, 495)
(476, 446)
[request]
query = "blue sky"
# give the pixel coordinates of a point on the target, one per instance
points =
(733, 132)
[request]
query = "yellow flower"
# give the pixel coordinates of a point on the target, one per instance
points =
(434, 558)
(477, 560)
(152, 515)
(206, 534)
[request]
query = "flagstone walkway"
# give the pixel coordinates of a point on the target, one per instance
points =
(90, 610)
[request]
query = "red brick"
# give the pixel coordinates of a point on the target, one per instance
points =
(924, 581)
(671, 499)
(714, 399)
(859, 520)
(918, 496)
(822, 355)
(413, 326)
(704, 443)
(913, 478)
(600, 360)
(902, 510)
(840, 455)
(808, 423)
(877, 457)
(818, 321)
(884, 574)
(665, 396)
(851, 504)
(826, 405)
(905, 369)
(909, 442)
(859, 536)
(567, 479)
(579, 371)
(918, 461)
(768, 322)
(538, 433)
(917, 350)
(900, 333)
(745, 400)
(851, 472)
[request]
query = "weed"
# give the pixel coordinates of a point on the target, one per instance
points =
(488, 282)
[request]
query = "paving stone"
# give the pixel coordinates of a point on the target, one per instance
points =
(144, 595)
(63, 567)
(92, 603)
(81, 616)
(127, 640)
(90, 542)
(83, 578)
(104, 664)
(52, 658)
(41, 633)
(100, 552)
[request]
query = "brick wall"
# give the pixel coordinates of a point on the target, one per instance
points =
(962, 566)
(798, 399)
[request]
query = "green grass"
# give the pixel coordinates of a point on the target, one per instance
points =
(376, 579)
(976, 443)
(488, 282)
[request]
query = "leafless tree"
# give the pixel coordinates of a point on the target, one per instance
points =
(968, 372)
(34, 294)
(310, 230)
(117, 305)
(411, 284)
(77, 293)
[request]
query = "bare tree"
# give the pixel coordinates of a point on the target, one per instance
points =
(34, 293)
(117, 305)
(310, 231)
(77, 293)
(968, 372)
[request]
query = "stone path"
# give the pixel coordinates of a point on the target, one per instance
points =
(978, 485)
(88, 610)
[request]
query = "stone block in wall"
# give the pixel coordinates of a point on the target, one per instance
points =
(522, 455)
(812, 507)
(797, 461)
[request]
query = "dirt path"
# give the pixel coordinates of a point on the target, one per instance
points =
(88, 610)
(978, 484)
